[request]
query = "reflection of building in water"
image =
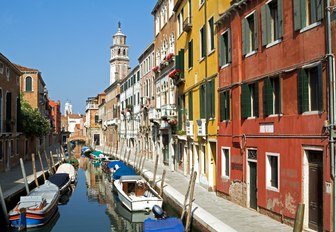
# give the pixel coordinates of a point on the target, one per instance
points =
(99, 189)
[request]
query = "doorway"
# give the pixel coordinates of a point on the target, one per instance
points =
(252, 173)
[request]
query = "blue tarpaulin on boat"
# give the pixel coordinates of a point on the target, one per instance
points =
(168, 225)
(124, 171)
(112, 164)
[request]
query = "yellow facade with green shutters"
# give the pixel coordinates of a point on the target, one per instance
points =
(196, 41)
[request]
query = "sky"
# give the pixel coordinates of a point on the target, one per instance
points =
(69, 41)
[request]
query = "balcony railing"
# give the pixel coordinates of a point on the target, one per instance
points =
(168, 111)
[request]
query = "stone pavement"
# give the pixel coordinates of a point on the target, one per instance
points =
(211, 211)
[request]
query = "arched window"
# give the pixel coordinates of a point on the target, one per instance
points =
(124, 52)
(29, 84)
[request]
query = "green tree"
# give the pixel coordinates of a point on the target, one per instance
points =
(33, 123)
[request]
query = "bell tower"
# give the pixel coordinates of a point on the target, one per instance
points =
(119, 61)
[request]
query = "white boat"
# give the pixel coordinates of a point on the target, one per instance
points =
(69, 169)
(136, 194)
(40, 205)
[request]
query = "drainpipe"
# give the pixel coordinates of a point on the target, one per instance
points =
(330, 58)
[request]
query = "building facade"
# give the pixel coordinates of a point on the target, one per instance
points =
(273, 149)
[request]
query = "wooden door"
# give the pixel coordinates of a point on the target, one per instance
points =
(253, 185)
(315, 190)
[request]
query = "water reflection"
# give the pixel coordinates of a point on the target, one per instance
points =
(94, 207)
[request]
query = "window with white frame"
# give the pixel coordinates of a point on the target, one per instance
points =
(171, 7)
(7, 73)
(157, 23)
(180, 19)
(271, 21)
(250, 100)
(272, 171)
(307, 12)
(211, 34)
(202, 43)
(29, 84)
(310, 94)
(225, 156)
(225, 48)
(171, 43)
(250, 33)
(272, 96)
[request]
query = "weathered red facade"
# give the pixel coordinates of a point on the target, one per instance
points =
(296, 142)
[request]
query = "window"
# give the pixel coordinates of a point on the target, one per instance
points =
(1, 112)
(272, 171)
(225, 48)
(7, 73)
(171, 7)
(29, 84)
(272, 96)
(202, 40)
(1, 150)
(180, 19)
(190, 105)
(211, 34)
(250, 33)
(202, 101)
(271, 21)
(8, 112)
(225, 162)
(225, 106)
(307, 12)
(310, 89)
(190, 54)
(210, 99)
(1, 68)
(250, 100)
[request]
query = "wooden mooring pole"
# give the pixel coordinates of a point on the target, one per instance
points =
(187, 195)
(191, 199)
(155, 170)
(162, 182)
(34, 170)
(24, 175)
(41, 163)
(3, 206)
(52, 161)
(48, 162)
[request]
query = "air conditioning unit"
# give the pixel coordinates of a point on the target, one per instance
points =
(201, 127)
(190, 128)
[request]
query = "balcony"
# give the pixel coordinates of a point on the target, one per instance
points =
(91, 106)
(187, 25)
(177, 77)
(168, 112)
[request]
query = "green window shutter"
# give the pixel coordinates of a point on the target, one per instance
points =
(255, 100)
(313, 11)
(180, 112)
(221, 50)
(203, 51)
(264, 39)
(303, 91)
(190, 54)
(229, 46)
(202, 105)
(297, 14)
(213, 99)
(190, 106)
(320, 10)
(227, 105)
(212, 34)
(280, 19)
(303, 13)
(244, 36)
(268, 97)
(208, 99)
(255, 33)
(182, 63)
(177, 61)
(320, 87)
(245, 101)
(222, 106)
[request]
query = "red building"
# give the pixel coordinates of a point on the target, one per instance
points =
(273, 138)
(56, 119)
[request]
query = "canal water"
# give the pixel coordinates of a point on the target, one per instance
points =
(92, 206)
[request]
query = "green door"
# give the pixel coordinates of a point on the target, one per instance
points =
(253, 185)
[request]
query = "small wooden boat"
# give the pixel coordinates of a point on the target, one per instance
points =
(61, 180)
(40, 205)
(69, 169)
(136, 194)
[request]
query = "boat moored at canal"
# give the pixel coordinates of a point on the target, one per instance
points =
(136, 194)
(39, 206)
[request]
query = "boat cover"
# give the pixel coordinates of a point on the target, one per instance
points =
(67, 168)
(96, 153)
(59, 179)
(112, 164)
(168, 225)
(123, 171)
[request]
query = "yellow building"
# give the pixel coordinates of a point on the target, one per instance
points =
(197, 81)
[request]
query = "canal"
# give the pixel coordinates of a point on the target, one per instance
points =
(93, 206)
